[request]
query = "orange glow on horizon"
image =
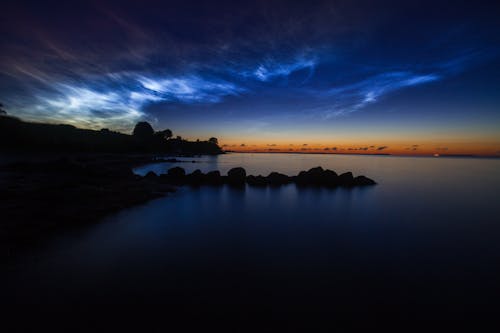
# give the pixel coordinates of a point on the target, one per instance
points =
(425, 149)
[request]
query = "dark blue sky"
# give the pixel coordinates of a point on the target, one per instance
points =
(260, 72)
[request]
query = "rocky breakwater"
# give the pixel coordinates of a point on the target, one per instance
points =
(318, 177)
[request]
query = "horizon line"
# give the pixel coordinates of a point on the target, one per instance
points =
(364, 154)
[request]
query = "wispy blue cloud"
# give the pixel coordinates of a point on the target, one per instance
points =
(271, 69)
(84, 106)
(188, 89)
(118, 100)
(355, 96)
(351, 97)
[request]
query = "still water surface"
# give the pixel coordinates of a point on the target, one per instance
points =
(426, 236)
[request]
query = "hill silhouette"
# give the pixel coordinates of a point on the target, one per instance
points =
(21, 136)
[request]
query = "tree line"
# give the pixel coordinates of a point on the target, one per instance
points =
(17, 135)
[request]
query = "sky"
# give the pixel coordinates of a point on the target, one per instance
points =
(396, 77)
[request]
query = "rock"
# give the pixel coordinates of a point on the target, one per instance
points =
(313, 176)
(151, 176)
(175, 175)
(257, 180)
(363, 181)
(213, 178)
(276, 178)
(236, 176)
(330, 178)
(166, 179)
(301, 178)
(196, 177)
(176, 172)
(346, 179)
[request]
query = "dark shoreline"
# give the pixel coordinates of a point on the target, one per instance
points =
(41, 196)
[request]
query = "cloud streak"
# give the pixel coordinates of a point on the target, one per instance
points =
(188, 89)
(118, 100)
(355, 96)
(271, 69)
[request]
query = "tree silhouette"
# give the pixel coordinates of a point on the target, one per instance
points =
(165, 134)
(143, 130)
(214, 141)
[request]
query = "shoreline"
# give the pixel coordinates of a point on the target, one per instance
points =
(44, 195)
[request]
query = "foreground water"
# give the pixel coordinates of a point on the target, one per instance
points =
(426, 237)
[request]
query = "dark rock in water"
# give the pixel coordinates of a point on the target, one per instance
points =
(276, 178)
(213, 178)
(313, 176)
(301, 178)
(151, 176)
(224, 180)
(166, 179)
(251, 180)
(176, 172)
(257, 180)
(236, 176)
(346, 179)
(363, 181)
(330, 178)
(196, 177)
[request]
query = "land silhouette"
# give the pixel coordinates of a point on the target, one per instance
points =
(55, 175)
(20, 136)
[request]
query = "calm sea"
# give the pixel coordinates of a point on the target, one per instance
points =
(427, 237)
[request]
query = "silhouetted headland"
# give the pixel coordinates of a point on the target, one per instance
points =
(89, 177)
(20, 136)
